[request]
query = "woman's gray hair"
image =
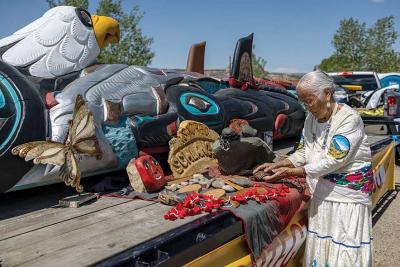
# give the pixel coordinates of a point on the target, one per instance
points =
(316, 82)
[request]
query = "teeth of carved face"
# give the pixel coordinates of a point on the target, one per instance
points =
(157, 175)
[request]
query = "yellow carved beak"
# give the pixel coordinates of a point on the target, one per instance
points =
(106, 30)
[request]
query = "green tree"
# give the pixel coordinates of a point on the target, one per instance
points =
(334, 63)
(349, 42)
(359, 48)
(133, 47)
(258, 65)
(381, 56)
(76, 3)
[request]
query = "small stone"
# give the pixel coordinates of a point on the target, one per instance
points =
(228, 188)
(172, 187)
(218, 184)
(198, 176)
(209, 182)
(203, 181)
(244, 182)
(184, 183)
(190, 188)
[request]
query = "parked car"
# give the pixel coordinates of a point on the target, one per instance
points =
(389, 78)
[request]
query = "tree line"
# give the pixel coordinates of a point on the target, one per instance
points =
(358, 48)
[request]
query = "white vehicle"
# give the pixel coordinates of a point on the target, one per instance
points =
(355, 86)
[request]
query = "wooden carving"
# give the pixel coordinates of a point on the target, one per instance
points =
(190, 152)
(81, 140)
(245, 71)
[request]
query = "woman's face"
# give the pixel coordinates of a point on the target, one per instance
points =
(317, 105)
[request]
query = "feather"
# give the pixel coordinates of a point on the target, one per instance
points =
(70, 49)
(51, 33)
(20, 56)
(57, 64)
(56, 44)
(76, 32)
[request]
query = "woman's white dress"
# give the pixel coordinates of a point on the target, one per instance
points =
(337, 160)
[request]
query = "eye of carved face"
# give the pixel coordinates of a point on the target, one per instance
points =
(199, 103)
(146, 164)
(154, 162)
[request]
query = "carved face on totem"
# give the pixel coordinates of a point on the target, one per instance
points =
(245, 68)
(150, 173)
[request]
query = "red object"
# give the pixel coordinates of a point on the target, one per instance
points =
(172, 128)
(150, 172)
(392, 105)
(279, 122)
(282, 83)
(243, 85)
(50, 100)
(391, 100)
(237, 124)
(270, 83)
(345, 73)
(197, 203)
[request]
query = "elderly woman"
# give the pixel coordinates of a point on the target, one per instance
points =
(335, 157)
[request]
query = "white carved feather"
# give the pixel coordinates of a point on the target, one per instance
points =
(55, 44)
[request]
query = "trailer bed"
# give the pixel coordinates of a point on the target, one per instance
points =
(108, 231)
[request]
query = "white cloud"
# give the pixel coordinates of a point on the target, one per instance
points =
(377, 1)
(286, 70)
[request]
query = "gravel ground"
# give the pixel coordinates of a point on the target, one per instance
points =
(386, 231)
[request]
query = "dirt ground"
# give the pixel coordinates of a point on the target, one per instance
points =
(386, 231)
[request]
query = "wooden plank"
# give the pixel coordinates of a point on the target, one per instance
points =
(89, 238)
(64, 227)
(45, 217)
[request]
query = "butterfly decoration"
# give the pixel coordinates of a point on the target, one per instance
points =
(81, 140)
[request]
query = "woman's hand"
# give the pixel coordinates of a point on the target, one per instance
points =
(283, 172)
(266, 167)
(278, 174)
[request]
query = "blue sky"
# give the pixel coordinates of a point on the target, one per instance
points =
(291, 35)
